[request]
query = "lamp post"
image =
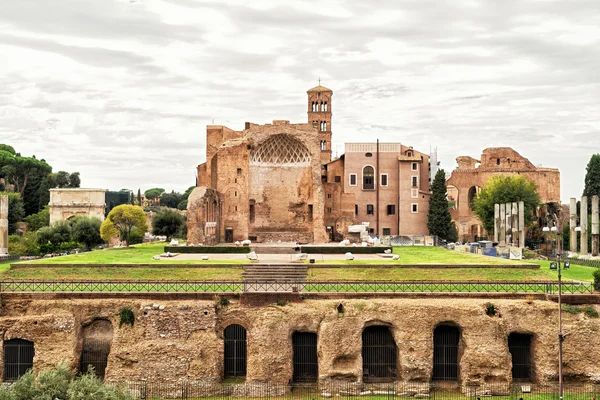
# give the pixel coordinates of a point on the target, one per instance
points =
(561, 337)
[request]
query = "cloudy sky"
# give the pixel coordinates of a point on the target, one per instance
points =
(122, 90)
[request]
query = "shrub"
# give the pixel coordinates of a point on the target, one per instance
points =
(127, 317)
(591, 312)
(86, 230)
(490, 309)
(568, 308)
(25, 245)
(596, 275)
(223, 301)
(343, 250)
(167, 222)
(39, 220)
(208, 249)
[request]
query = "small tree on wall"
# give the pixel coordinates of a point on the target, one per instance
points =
(439, 221)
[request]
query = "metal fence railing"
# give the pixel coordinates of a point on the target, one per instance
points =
(223, 287)
(393, 390)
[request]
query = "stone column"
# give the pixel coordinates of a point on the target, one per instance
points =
(522, 223)
(584, 225)
(502, 224)
(508, 219)
(3, 224)
(595, 226)
(516, 239)
(496, 222)
(573, 224)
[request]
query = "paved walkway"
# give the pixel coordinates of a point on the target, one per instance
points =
(274, 258)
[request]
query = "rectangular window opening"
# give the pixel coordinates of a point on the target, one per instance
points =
(352, 179)
(370, 209)
(384, 179)
(391, 209)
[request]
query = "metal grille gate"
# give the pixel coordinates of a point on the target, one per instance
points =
(445, 353)
(519, 345)
(379, 354)
(306, 366)
(235, 351)
(18, 358)
(94, 353)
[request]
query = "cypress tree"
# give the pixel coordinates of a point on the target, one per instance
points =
(592, 177)
(438, 219)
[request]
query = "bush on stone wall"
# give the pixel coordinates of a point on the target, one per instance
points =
(61, 383)
(208, 249)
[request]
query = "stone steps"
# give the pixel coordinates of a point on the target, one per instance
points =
(275, 273)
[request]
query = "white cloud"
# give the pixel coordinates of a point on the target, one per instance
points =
(122, 90)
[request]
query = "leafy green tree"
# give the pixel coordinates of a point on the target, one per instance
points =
(452, 233)
(61, 233)
(171, 200)
(38, 220)
(25, 245)
(167, 222)
(5, 147)
(121, 221)
(17, 170)
(62, 179)
(438, 218)
(74, 180)
(139, 197)
(592, 179)
(86, 230)
(154, 193)
(16, 211)
(505, 189)
(182, 205)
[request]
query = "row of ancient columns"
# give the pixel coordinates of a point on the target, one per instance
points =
(3, 224)
(509, 224)
(583, 225)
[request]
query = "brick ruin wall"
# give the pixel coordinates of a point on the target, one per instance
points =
(183, 339)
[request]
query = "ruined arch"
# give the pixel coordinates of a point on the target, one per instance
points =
(452, 197)
(473, 193)
(379, 354)
(281, 150)
(446, 355)
(97, 340)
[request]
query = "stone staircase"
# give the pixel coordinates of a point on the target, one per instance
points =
(275, 272)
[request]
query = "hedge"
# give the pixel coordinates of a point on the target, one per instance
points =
(208, 249)
(344, 250)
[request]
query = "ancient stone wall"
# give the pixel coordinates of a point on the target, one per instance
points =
(471, 175)
(203, 216)
(177, 339)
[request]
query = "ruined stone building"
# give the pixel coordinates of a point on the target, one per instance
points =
(276, 182)
(467, 180)
(66, 203)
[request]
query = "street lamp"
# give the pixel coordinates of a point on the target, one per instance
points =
(561, 337)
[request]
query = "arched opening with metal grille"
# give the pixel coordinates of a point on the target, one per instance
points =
(445, 352)
(18, 358)
(306, 365)
(281, 150)
(519, 346)
(97, 339)
(235, 351)
(379, 354)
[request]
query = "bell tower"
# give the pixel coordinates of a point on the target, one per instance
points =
(319, 116)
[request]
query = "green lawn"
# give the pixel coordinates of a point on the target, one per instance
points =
(137, 254)
(576, 272)
(116, 273)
